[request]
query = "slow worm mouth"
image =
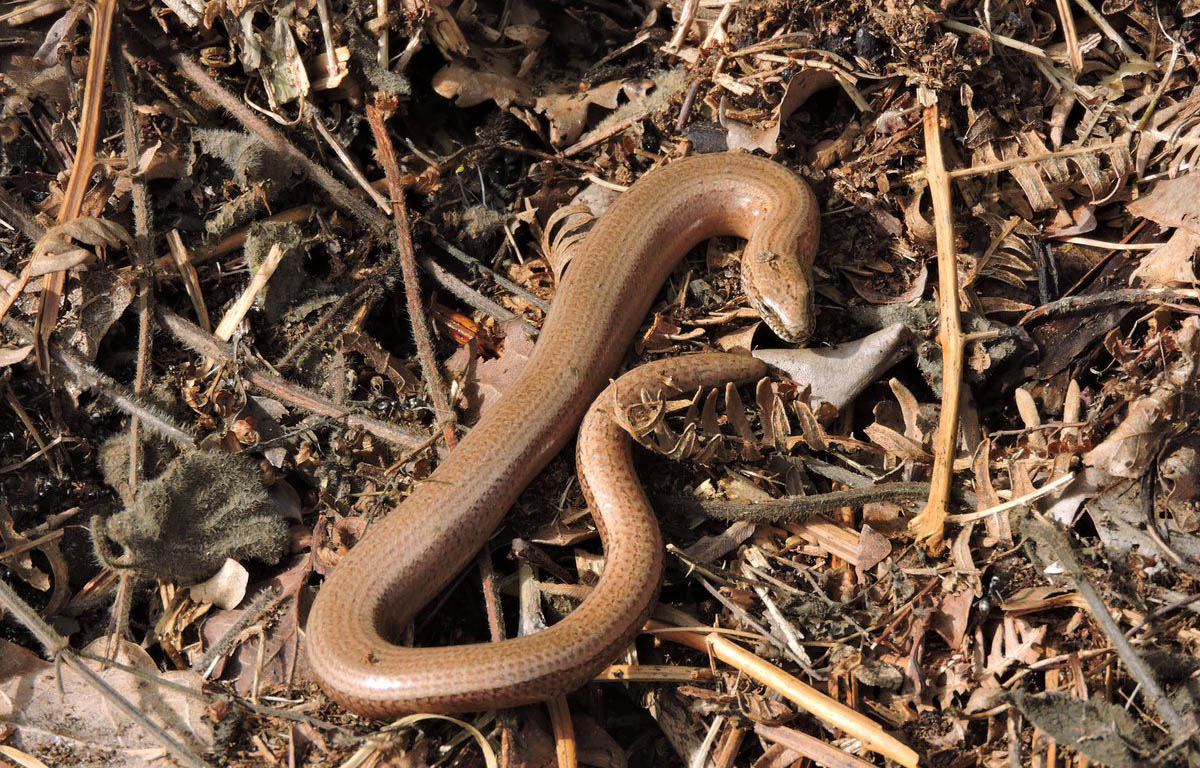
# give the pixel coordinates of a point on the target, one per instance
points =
(794, 328)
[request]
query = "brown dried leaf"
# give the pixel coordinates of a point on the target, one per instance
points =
(225, 588)
(98, 299)
(1129, 448)
(865, 287)
(60, 247)
(568, 112)
(22, 565)
(49, 708)
(13, 355)
(469, 87)
(950, 618)
(488, 380)
(802, 85)
(1174, 125)
(895, 444)
(274, 653)
(1172, 263)
(1171, 203)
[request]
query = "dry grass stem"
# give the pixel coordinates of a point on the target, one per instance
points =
(930, 524)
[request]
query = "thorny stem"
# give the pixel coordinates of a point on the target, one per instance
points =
(463, 291)
(1051, 537)
(1070, 304)
(192, 693)
(797, 509)
(87, 376)
(204, 344)
(492, 274)
(319, 326)
(377, 115)
(143, 258)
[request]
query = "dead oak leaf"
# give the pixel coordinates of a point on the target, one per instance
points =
(740, 135)
(1171, 203)
(484, 382)
(950, 617)
(470, 87)
(1172, 263)
(1130, 447)
(568, 112)
(98, 299)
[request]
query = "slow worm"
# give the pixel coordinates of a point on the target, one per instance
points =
(365, 603)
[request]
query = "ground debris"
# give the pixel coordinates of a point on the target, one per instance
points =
(1006, 297)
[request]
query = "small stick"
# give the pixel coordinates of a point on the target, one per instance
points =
(258, 606)
(377, 115)
(1092, 242)
(209, 347)
(381, 15)
(1108, 30)
(1070, 304)
(798, 509)
(16, 290)
(517, 149)
(604, 132)
(142, 226)
(44, 448)
(236, 239)
(727, 748)
(1020, 501)
(191, 281)
(820, 752)
(564, 732)
(1015, 162)
(716, 33)
(31, 457)
(344, 156)
(240, 307)
(331, 59)
(200, 695)
(1072, 39)
(686, 16)
(857, 725)
(929, 525)
(1162, 611)
(1010, 42)
(685, 109)
(652, 673)
(495, 276)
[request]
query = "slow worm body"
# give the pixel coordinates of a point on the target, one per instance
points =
(424, 542)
